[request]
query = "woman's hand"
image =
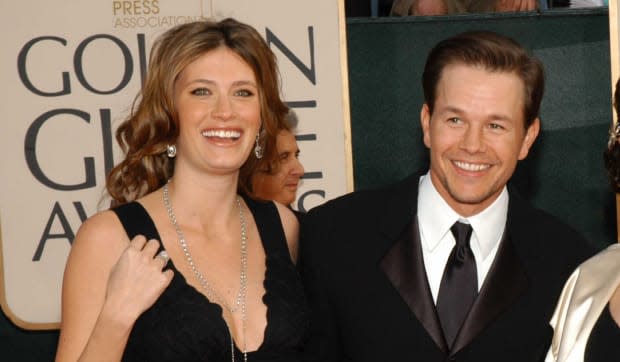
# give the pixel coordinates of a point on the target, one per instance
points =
(137, 279)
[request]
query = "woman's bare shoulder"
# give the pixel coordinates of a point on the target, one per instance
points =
(101, 235)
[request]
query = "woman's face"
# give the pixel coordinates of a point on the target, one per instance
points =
(217, 102)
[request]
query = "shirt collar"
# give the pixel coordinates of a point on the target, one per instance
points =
(436, 217)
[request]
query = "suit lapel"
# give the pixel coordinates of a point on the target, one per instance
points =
(505, 282)
(404, 267)
(402, 261)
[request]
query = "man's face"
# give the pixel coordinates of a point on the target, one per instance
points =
(476, 135)
(281, 186)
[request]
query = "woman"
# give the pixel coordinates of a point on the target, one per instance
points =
(185, 269)
(587, 316)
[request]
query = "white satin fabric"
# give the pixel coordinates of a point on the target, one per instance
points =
(583, 298)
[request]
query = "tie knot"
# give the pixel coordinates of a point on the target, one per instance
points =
(462, 233)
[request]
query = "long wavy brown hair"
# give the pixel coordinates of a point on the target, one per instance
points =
(153, 123)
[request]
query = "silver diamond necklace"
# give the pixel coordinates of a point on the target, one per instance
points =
(209, 291)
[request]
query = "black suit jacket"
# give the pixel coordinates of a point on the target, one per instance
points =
(362, 265)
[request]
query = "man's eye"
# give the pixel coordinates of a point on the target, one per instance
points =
(496, 126)
(455, 120)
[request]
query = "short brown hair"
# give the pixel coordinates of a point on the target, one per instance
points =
(153, 122)
(493, 52)
(271, 166)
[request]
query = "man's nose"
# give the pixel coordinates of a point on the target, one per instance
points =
(473, 139)
(298, 168)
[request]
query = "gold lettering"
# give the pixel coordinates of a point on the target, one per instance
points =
(137, 8)
(126, 7)
(116, 5)
(155, 6)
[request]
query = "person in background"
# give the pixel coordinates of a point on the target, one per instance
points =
(279, 181)
(587, 317)
(574, 4)
(187, 267)
(366, 8)
(444, 7)
(450, 264)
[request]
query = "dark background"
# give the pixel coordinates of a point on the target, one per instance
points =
(564, 172)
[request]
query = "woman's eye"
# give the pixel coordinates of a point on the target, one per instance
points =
(244, 93)
(200, 92)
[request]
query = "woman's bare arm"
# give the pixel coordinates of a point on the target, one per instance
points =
(108, 282)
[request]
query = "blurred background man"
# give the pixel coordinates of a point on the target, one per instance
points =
(280, 183)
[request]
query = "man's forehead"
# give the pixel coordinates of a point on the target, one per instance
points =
(462, 72)
(475, 90)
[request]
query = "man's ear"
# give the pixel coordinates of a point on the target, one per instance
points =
(425, 122)
(530, 136)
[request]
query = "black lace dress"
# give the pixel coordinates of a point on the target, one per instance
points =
(183, 326)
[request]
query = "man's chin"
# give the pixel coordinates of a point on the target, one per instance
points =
(471, 198)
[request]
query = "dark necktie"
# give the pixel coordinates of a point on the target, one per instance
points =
(459, 284)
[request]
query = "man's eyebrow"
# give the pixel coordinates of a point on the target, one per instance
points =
(495, 116)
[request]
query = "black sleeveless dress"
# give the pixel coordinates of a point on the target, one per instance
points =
(183, 326)
(604, 342)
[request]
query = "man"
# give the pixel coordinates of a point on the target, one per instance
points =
(451, 264)
(279, 182)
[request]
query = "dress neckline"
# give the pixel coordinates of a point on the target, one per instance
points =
(261, 230)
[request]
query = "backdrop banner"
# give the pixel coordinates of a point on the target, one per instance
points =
(70, 71)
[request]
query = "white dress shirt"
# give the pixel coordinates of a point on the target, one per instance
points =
(436, 217)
